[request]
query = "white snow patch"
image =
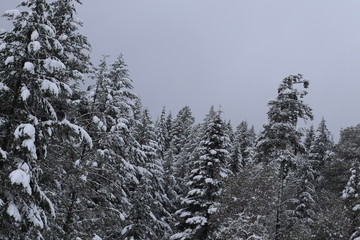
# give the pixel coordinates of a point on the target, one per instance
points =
(1, 203)
(34, 46)
(12, 13)
(34, 216)
(29, 67)
(96, 120)
(83, 177)
(13, 211)
(10, 59)
(21, 176)
(197, 220)
(3, 87)
(80, 131)
(53, 65)
(48, 29)
(2, 46)
(63, 37)
(212, 152)
(96, 237)
(25, 93)
(356, 208)
(34, 35)
(212, 210)
(27, 131)
(47, 85)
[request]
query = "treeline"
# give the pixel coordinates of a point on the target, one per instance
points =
(93, 164)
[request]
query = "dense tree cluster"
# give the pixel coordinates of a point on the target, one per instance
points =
(92, 164)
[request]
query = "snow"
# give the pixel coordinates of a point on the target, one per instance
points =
(21, 176)
(83, 177)
(2, 46)
(126, 229)
(10, 59)
(12, 13)
(48, 86)
(197, 220)
(79, 130)
(34, 216)
(96, 237)
(34, 46)
(195, 191)
(3, 87)
(25, 93)
(27, 131)
(212, 152)
(49, 30)
(356, 208)
(13, 211)
(63, 37)
(96, 120)
(212, 210)
(34, 35)
(29, 67)
(1, 203)
(67, 88)
(53, 65)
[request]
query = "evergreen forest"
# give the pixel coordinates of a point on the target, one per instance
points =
(80, 164)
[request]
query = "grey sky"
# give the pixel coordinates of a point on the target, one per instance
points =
(232, 53)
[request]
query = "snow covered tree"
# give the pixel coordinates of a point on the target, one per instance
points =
(303, 215)
(205, 180)
(148, 218)
(162, 134)
(309, 138)
(242, 149)
(181, 145)
(348, 147)
(63, 18)
(279, 142)
(111, 122)
(322, 147)
(31, 73)
(351, 195)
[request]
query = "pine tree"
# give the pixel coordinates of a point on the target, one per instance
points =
(31, 70)
(162, 134)
(309, 138)
(242, 149)
(322, 148)
(74, 45)
(351, 195)
(205, 180)
(148, 218)
(279, 142)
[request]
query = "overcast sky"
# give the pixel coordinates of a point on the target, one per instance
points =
(232, 53)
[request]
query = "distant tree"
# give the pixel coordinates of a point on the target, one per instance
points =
(322, 147)
(148, 217)
(352, 198)
(243, 147)
(279, 142)
(348, 147)
(309, 138)
(205, 180)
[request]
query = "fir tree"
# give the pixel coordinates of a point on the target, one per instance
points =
(309, 138)
(148, 218)
(279, 142)
(31, 70)
(351, 195)
(205, 180)
(321, 150)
